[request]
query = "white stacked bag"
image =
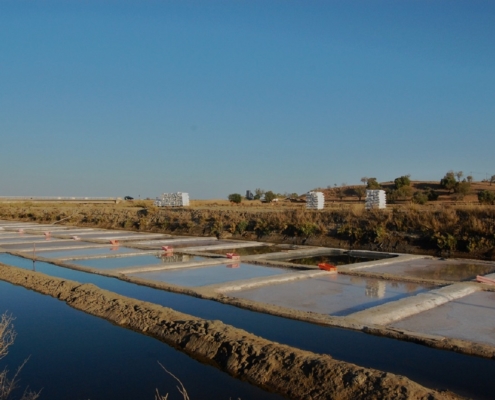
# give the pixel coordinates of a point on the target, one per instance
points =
(315, 201)
(178, 199)
(375, 199)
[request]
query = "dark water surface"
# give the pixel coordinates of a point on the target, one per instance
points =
(465, 375)
(334, 259)
(77, 356)
(248, 251)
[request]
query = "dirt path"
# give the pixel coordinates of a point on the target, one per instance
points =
(286, 370)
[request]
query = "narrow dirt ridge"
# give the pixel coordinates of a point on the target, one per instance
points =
(283, 369)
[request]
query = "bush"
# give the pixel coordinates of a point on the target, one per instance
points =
(448, 181)
(462, 189)
(373, 184)
(402, 181)
(432, 195)
(486, 197)
(403, 193)
(420, 198)
(235, 198)
(270, 196)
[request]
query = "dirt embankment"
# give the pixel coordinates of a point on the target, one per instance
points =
(447, 231)
(286, 370)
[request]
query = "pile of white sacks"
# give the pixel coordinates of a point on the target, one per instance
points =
(178, 199)
(375, 199)
(315, 201)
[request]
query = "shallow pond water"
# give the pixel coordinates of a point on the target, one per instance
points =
(179, 244)
(20, 239)
(334, 294)
(47, 244)
(334, 259)
(248, 251)
(103, 251)
(209, 275)
(450, 270)
(135, 261)
(465, 375)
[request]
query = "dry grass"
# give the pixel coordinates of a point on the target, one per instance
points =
(9, 385)
(182, 390)
(466, 228)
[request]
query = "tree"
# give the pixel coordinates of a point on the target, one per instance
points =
(469, 178)
(402, 181)
(258, 193)
(448, 181)
(459, 175)
(372, 184)
(360, 192)
(270, 196)
(492, 179)
(235, 198)
(486, 197)
(364, 179)
(339, 192)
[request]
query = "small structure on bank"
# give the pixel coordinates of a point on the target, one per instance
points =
(375, 199)
(315, 201)
(178, 199)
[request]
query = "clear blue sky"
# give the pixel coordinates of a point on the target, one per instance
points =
(115, 98)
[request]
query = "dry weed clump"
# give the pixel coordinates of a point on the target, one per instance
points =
(9, 385)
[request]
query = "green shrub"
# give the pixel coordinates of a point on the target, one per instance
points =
(241, 226)
(420, 198)
(462, 189)
(402, 181)
(486, 197)
(235, 198)
(373, 184)
(448, 181)
(431, 194)
(269, 196)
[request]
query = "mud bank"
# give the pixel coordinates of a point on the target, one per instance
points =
(452, 232)
(286, 370)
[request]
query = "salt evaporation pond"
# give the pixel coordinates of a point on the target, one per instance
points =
(103, 251)
(334, 294)
(248, 251)
(442, 269)
(134, 261)
(465, 375)
(210, 275)
(335, 259)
